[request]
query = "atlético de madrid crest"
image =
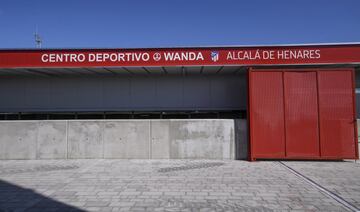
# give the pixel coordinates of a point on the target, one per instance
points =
(214, 56)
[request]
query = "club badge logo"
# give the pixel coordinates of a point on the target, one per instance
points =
(214, 56)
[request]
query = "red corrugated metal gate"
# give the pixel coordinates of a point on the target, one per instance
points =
(302, 114)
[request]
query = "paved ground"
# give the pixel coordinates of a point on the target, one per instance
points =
(175, 185)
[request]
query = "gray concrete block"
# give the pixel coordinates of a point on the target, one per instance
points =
(52, 140)
(241, 139)
(160, 139)
(210, 139)
(127, 139)
(18, 139)
(85, 139)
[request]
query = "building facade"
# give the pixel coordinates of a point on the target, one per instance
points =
(250, 102)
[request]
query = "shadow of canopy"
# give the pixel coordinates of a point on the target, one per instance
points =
(16, 198)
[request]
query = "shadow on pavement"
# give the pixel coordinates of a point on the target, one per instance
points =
(16, 198)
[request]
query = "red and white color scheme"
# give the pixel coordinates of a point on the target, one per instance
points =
(249, 56)
(301, 101)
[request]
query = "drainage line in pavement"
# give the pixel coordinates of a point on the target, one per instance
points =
(322, 189)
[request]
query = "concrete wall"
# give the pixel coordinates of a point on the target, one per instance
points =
(127, 139)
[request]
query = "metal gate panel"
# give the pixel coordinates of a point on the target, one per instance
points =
(301, 115)
(266, 114)
(337, 116)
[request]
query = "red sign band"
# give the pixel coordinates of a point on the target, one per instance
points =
(284, 55)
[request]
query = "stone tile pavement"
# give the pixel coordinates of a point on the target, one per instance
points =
(341, 178)
(174, 185)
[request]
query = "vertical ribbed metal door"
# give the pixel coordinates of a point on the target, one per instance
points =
(301, 115)
(267, 114)
(337, 118)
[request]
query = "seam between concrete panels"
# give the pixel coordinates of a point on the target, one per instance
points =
(230, 143)
(67, 139)
(233, 144)
(150, 140)
(37, 141)
(102, 138)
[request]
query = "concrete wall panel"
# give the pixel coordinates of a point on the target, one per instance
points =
(85, 139)
(52, 140)
(18, 139)
(127, 139)
(210, 139)
(160, 145)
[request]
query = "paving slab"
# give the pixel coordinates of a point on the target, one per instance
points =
(341, 178)
(173, 185)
